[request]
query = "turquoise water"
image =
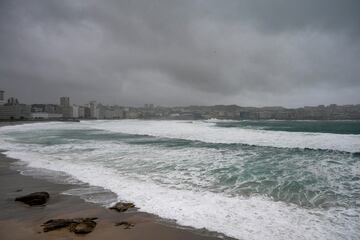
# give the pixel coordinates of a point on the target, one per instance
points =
(340, 127)
(283, 179)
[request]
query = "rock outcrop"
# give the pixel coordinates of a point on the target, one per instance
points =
(83, 227)
(125, 224)
(122, 206)
(36, 198)
(76, 225)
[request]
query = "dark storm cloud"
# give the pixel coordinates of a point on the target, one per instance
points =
(274, 52)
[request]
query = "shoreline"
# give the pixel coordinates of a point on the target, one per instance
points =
(19, 221)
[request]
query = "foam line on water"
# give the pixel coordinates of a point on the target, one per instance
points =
(208, 132)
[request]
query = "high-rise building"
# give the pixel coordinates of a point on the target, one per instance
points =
(92, 106)
(75, 111)
(65, 107)
(65, 102)
(13, 110)
(2, 97)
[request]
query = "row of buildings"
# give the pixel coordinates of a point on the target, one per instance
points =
(65, 110)
(321, 112)
(13, 110)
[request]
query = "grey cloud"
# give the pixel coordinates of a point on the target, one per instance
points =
(285, 15)
(273, 52)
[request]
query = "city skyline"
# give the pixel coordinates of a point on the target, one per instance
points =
(13, 109)
(5, 97)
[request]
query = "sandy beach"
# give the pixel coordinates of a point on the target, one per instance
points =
(19, 221)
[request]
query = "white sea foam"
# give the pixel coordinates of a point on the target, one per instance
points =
(208, 132)
(253, 217)
(242, 218)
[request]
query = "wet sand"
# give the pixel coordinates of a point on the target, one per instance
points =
(19, 221)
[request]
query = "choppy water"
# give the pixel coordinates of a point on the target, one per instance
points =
(245, 179)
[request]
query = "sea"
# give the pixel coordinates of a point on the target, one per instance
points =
(240, 179)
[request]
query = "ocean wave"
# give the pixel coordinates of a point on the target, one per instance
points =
(238, 217)
(208, 132)
(195, 186)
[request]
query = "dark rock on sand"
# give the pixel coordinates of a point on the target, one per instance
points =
(36, 198)
(122, 206)
(83, 227)
(126, 224)
(54, 224)
(76, 225)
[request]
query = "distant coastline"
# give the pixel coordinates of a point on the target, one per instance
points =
(93, 110)
(12, 109)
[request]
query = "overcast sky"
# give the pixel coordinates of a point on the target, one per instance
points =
(250, 53)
